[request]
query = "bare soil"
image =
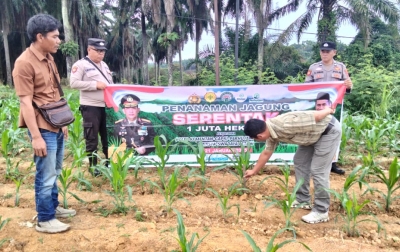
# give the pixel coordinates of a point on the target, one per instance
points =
(156, 231)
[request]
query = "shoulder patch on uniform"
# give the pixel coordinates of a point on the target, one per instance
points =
(119, 121)
(145, 120)
(309, 72)
(74, 69)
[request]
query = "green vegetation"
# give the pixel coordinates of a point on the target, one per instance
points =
(224, 197)
(271, 247)
(185, 244)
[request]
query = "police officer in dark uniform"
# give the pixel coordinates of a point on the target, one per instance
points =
(135, 132)
(326, 70)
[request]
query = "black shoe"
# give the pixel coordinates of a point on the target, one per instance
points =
(337, 170)
(95, 172)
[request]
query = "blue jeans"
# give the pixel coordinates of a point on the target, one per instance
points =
(47, 170)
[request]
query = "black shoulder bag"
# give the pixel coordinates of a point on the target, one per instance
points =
(57, 114)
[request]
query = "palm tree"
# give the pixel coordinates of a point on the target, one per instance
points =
(169, 9)
(333, 13)
(261, 12)
(200, 14)
(69, 36)
(15, 13)
(86, 22)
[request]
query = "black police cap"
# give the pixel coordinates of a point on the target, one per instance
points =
(323, 96)
(130, 100)
(327, 45)
(97, 43)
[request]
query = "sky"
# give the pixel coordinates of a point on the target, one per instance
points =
(346, 30)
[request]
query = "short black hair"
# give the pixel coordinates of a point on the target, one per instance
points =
(41, 23)
(253, 127)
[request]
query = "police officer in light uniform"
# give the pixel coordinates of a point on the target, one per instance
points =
(326, 70)
(91, 75)
(135, 132)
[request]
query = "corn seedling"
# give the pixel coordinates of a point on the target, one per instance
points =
(75, 143)
(66, 179)
(79, 176)
(9, 148)
(18, 182)
(200, 156)
(185, 244)
(3, 223)
(240, 162)
(374, 139)
(271, 247)
(170, 186)
(357, 176)
(283, 183)
(391, 182)
(116, 175)
(224, 198)
(286, 203)
(346, 136)
(162, 152)
(353, 211)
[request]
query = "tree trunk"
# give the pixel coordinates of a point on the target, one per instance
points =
(180, 65)
(82, 48)
(169, 8)
(155, 73)
(260, 60)
(68, 33)
(23, 42)
(6, 30)
(145, 73)
(197, 49)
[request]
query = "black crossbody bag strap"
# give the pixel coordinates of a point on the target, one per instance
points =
(58, 86)
(86, 58)
(58, 83)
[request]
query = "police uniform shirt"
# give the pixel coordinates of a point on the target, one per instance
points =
(134, 134)
(319, 72)
(84, 77)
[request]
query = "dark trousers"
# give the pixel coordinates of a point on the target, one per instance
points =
(94, 123)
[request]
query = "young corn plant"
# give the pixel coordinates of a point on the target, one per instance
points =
(75, 143)
(374, 139)
(3, 223)
(9, 147)
(390, 180)
(185, 244)
(18, 181)
(357, 176)
(283, 183)
(116, 175)
(162, 152)
(200, 156)
(223, 200)
(271, 247)
(285, 204)
(201, 160)
(352, 212)
(66, 178)
(240, 163)
(82, 182)
(170, 186)
(346, 136)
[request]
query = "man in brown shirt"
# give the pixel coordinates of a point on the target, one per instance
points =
(318, 135)
(35, 78)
